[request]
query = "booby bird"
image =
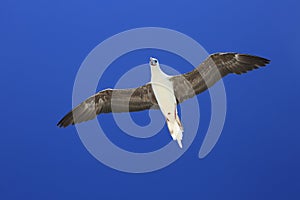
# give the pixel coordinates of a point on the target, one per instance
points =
(164, 92)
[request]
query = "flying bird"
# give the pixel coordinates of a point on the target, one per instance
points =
(164, 92)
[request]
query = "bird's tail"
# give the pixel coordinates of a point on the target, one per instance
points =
(176, 130)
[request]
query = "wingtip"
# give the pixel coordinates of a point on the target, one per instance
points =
(64, 122)
(60, 125)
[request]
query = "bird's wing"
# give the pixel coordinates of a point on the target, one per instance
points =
(111, 100)
(211, 70)
(185, 86)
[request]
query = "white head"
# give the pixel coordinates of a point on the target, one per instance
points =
(153, 62)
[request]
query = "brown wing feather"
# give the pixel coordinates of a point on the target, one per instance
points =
(211, 70)
(106, 101)
(186, 86)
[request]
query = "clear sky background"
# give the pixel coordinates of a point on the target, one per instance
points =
(43, 43)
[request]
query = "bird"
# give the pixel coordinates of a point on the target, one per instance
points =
(164, 92)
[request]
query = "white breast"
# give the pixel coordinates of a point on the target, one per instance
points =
(164, 92)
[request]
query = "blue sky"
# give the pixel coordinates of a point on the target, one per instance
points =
(43, 44)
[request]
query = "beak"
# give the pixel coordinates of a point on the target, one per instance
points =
(152, 61)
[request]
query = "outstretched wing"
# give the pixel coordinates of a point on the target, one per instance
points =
(211, 70)
(185, 86)
(111, 100)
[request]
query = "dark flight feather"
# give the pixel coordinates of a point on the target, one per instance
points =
(185, 86)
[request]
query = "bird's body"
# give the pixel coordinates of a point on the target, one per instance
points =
(164, 93)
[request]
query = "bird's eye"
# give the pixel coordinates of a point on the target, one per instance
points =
(155, 61)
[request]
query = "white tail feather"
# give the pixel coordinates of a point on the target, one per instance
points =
(176, 130)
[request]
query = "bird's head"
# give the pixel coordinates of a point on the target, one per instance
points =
(153, 62)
